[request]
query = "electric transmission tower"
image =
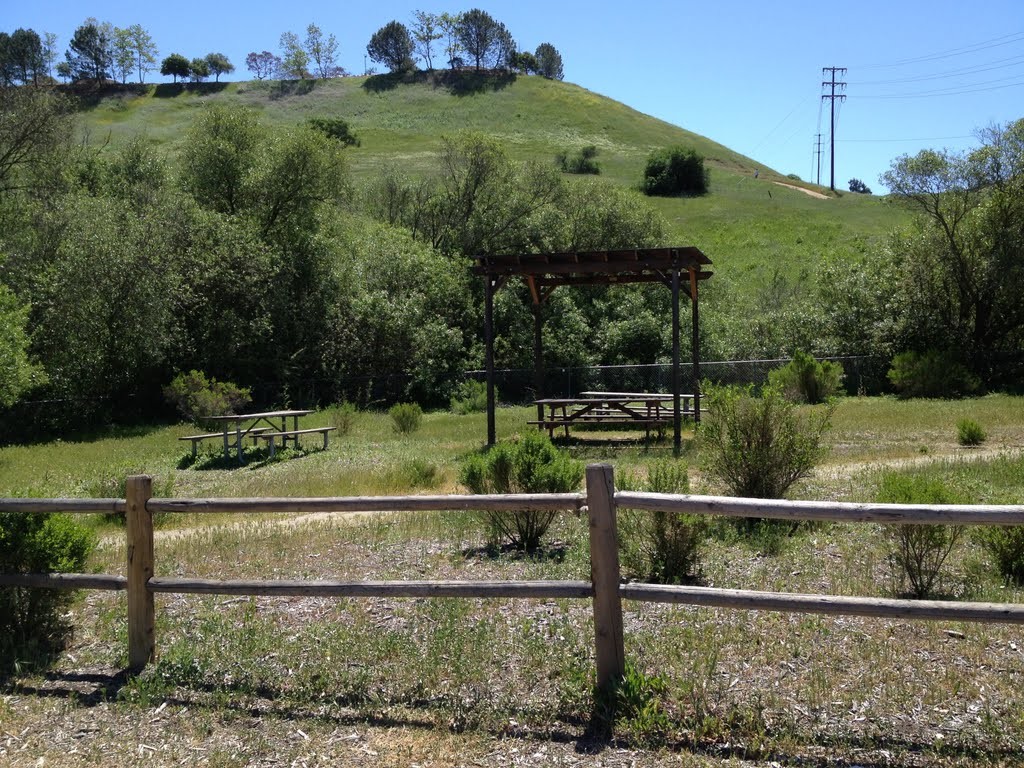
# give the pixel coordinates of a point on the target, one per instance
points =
(832, 96)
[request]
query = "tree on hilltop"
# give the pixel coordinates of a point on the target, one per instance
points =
(485, 40)
(323, 52)
(263, 64)
(392, 46)
(295, 61)
(426, 29)
(143, 49)
(549, 62)
(21, 57)
(176, 66)
(198, 70)
(217, 64)
(89, 52)
(856, 185)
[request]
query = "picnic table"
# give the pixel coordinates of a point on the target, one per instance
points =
(270, 426)
(647, 409)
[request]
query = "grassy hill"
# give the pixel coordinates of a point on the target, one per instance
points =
(749, 227)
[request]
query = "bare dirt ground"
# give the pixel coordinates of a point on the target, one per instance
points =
(806, 191)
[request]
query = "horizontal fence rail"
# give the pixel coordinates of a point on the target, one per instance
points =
(824, 511)
(604, 588)
(554, 502)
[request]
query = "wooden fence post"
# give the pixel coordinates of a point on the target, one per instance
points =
(141, 611)
(604, 574)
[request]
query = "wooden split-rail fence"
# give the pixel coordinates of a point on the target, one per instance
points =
(604, 588)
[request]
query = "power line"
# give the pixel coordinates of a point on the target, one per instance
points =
(951, 91)
(898, 141)
(984, 45)
(998, 64)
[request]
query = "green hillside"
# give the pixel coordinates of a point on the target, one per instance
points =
(745, 224)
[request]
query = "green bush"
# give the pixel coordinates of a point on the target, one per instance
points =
(530, 464)
(675, 171)
(661, 547)
(31, 620)
(931, 374)
(470, 397)
(197, 397)
(805, 380)
(759, 446)
(970, 433)
(334, 128)
(406, 417)
(343, 417)
(581, 162)
(918, 552)
(1006, 545)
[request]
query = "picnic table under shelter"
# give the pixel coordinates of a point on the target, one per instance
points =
(680, 269)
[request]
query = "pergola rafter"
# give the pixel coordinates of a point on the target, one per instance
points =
(544, 272)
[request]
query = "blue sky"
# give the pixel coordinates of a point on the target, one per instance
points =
(746, 74)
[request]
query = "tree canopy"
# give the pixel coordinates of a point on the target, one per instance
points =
(392, 46)
(217, 64)
(549, 62)
(175, 65)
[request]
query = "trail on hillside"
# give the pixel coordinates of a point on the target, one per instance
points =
(806, 191)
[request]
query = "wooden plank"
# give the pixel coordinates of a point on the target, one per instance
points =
(331, 588)
(604, 574)
(292, 432)
(782, 509)
(65, 506)
(141, 611)
(569, 502)
(934, 610)
(100, 581)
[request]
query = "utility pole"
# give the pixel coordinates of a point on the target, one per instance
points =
(817, 153)
(833, 83)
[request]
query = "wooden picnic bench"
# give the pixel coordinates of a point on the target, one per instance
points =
(196, 439)
(649, 410)
(292, 434)
(237, 426)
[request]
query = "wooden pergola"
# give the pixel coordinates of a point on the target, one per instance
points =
(545, 272)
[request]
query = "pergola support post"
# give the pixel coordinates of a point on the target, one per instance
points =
(538, 358)
(489, 355)
(677, 416)
(695, 323)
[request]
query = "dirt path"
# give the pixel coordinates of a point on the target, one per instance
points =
(811, 192)
(833, 471)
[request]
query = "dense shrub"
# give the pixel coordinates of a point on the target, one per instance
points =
(343, 417)
(334, 128)
(970, 433)
(197, 397)
(31, 620)
(917, 552)
(406, 417)
(580, 162)
(470, 396)
(675, 171)
(530, 464)
(661, 547)
(759, 446)
(931, 374)
(1006, 545)
(805, 380)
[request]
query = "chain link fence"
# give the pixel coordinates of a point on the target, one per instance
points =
(863, 375)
